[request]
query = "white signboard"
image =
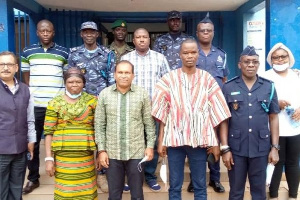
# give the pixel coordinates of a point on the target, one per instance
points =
(256, 38)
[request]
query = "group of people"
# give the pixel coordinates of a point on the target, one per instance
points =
(133, 105)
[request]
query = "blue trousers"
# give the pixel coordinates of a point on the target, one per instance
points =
(12, 175)
(150, 166)
(197, 163)
(255, 168)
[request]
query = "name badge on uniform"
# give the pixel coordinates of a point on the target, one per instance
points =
(164, 47)
(235, 105)
(235, 93)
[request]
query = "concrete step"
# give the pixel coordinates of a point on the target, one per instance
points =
(45, 192)
(46, 189)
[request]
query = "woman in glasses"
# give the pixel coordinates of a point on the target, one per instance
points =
(287, 84)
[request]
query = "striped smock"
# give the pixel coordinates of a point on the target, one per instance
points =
(190, 108)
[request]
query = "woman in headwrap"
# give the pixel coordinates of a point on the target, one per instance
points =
(287, 84)
(69, 141)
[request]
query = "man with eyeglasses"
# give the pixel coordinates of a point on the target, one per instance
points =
(17, 128)
(42, 66)
(150, 66)
(213, 60)
(96, 62)
(253, 129)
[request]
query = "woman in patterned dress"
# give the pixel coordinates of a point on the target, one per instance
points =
(69, 141)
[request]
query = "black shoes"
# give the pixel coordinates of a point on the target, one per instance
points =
(218, 187)
(30, 186)
(190, 187)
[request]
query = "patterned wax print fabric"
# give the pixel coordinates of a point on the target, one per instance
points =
(72, 125)
(75, 177)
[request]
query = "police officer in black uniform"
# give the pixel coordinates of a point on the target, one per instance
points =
(253, 129)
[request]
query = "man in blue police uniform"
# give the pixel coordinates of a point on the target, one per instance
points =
(213, 60)
(119, 45)
(95, 61)
(97, 64)
(169, 44)
(253, 129)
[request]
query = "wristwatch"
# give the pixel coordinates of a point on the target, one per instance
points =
(223, 147)
(276, 146)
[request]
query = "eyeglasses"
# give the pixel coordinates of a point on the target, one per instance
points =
(282, 57)
(248, 62)
(205, 30)
(8, 65)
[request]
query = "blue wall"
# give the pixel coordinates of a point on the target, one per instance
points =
(283, 17)
(228, 25)
(7, 26)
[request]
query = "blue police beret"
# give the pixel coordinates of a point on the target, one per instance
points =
(249, 51)
(206, 19)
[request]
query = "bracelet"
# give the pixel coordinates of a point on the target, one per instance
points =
(225, 150)
(223, 147)
(49, 158)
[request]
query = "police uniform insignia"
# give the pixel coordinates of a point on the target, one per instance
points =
(220, 59)
(235, 105)
(164, 47)
(123, 25)
(83, 70)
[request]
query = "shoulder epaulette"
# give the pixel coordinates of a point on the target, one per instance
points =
(230, 80)
(221, 50)
(105, 49)
(73, 49)
(266, 79)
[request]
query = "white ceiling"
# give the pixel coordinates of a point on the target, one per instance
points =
(143, 5)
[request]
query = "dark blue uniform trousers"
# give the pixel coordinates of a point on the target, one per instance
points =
(255, 168)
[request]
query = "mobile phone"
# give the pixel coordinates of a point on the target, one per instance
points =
(210, 158)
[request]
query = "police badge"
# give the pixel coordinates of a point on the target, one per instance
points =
(83, 70)
(235, 105)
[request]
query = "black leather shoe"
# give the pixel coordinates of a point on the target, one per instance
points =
(190, 187)
(30, 186)
(218, 187)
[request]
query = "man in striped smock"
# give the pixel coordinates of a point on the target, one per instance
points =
(42, 66)
(189, 105)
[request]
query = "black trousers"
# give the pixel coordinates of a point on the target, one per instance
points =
(12, 175)
(116, 179)
(34, 164)
(289, 159)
